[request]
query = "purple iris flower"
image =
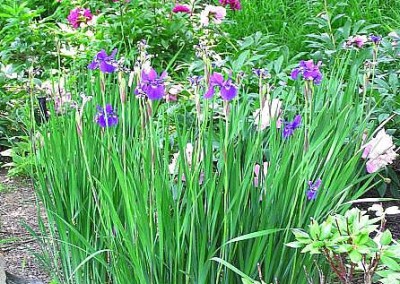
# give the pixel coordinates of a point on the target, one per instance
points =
(106, 116)
(290, 127)
(376, 39)
(106, 64)
(313, 189)
(261, 72)
(195, 80)
(151, 84)
(309, 70)
(227, 89)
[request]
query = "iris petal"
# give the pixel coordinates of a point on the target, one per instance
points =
(210, 93)
(106, 67)
(228, 92)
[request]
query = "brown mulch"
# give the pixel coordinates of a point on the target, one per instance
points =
(393, 221)
(18, 210)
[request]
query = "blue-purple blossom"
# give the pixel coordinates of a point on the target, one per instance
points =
(308, 70)
(261, 72)
(106, 116)
(313, 189)
(376, 39)
(152, 85)
(106, 64)
(291, 126)
(227, 89)
(195, 80)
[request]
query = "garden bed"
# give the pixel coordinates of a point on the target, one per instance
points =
(18, 210)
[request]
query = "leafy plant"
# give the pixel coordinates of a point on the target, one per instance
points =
(353, 242)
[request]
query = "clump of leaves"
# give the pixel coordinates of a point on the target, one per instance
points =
(353, 242)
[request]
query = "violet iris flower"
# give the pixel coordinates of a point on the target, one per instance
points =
(308, 70)
(313, 189)
(376, 39)
(261, 72)
(195, 81)
(152, 85)
(227, 89)
(106, 116)
(290, 127)
(106, 64)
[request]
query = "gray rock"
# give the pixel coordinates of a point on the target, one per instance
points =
(2, 272)
(12, 279)
(8, 278)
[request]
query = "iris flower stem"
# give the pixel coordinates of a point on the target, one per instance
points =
(151, 193)
(308, 94)
(226, 187)
(103, 95)
(372, 69)
(124, 138)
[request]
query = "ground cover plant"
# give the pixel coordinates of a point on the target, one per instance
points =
(180, 154)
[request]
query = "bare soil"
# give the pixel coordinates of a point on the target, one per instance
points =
(17, 212)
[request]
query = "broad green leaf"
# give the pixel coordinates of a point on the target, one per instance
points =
(386, 238)
(295, 244)
(355, 256)
(390, 262)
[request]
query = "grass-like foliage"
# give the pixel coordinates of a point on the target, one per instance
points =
(118, 212)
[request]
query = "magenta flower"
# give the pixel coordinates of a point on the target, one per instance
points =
(313, 189)
(227, 89)
(234, 4)
(105, 63)
(308, 70)
(106, 116)
(179, 8)
(78, 16)
(152, 85)
(290, 127)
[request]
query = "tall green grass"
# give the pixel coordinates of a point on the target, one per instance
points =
(117, 215)
(287, 19)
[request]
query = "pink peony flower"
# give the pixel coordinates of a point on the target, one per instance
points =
(357, 41)
(78, 16)
(234, 4)
(379, 152)
(179, 8)
(216, 13)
